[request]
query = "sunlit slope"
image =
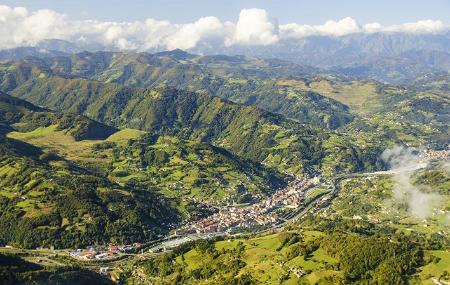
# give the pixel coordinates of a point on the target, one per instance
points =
(47, 199)
(243, 130)
(240, 79)
(63, 187)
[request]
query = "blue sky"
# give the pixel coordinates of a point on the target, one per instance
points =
(170, 24)
(286, 11)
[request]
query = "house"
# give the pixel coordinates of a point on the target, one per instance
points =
(104, 270)
(101, 255)
(74, 253)
(113, 248)
(87, 255)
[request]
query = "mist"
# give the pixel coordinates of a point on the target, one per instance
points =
(404, 162)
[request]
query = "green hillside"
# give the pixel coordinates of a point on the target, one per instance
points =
(46, 200)
(243, 130)
(179, 168)
(240, 79)
(373, 241)
(304, 95)
(15, 270)
(63, 186)
(99, 148)
(293, 257)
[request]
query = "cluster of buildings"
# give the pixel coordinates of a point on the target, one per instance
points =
(437, 154)
(104, 252)
(323, 201)
(258, 214)
(172, 242)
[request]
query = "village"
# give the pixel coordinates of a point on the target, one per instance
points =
(430, 154)
(227, 219)
(258, 214)
(98, 252)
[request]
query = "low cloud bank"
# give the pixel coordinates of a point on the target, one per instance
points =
(404, 162)
(255, 27)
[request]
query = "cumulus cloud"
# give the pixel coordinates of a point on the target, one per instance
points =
(19, 27)
(255, 27)
(348, 26)
(188, 36)
(330, 28)
(420, 27)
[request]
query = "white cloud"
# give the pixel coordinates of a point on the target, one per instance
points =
(373, 28)
(330, 28)
(20, 27)
(340, 28)
(420, 27)
(254, 27)
(188, 36)
(404, 162)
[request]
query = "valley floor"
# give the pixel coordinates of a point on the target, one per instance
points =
(263, 251)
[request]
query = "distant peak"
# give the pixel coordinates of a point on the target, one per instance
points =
(177, 54)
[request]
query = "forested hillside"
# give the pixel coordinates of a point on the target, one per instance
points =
(240, 79)
(47, 200)
(244, 130)
(306, 96)
(172, 143)
(69, 181)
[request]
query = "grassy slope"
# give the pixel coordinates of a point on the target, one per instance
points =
(179, 169)
(245, 131)
(263, 259)
(225, 77)
(59, 142)
(53, 191)
(435, 270)
(270, 259)
(390, 113)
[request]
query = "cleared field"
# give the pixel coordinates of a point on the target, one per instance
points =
(435, 269)
(362, 96)
(354, 94)
(125, 135)
(314, 193)
(265, 260)
(64, 145)
(59, 142)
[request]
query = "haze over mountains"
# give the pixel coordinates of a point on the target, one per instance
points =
(394, 54)
(387, 57)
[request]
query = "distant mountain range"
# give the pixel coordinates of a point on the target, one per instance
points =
(388, 57)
